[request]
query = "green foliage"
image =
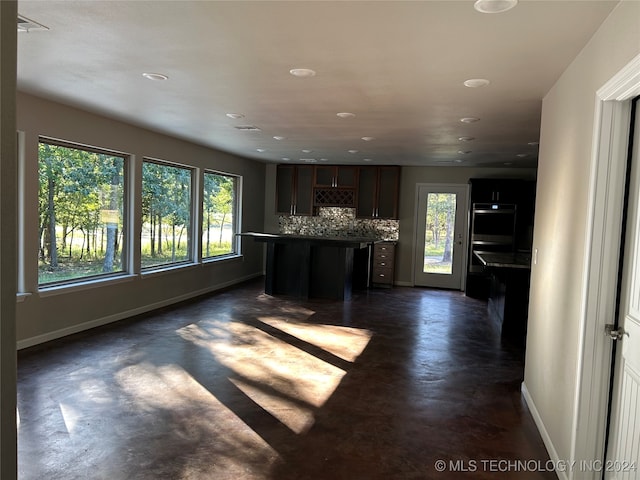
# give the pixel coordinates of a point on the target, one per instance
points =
(218, 203)
(75, 186)
(81, 205)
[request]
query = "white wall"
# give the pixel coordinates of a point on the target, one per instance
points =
(42, 317)
(561, 222)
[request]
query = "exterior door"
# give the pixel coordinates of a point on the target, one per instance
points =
(440, 243)
(623, 451)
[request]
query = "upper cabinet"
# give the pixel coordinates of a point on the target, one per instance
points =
(378, 189)
(294, 189)
(335, 186)
(334, 176)
(491, 190)
(372, 191)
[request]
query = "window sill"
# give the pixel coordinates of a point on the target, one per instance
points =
(165, 269)
(21, 297)
(222, 258)
(80, 285)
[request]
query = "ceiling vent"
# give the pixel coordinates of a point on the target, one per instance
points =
(247, 128)
(27, 25)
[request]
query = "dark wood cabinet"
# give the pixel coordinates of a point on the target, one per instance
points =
(372, 191)
(334, 176)
(383, 264)
(294, 189)
(378, 189)
(502, 213)
(335, 186)
(490, 190)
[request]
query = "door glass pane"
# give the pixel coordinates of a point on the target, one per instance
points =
(438, 241)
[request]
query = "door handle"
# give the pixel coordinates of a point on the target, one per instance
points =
(614, 334)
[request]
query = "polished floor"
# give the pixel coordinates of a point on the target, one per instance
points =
(395, 384)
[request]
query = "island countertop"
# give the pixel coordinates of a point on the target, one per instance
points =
(520, 260)
(344, 241)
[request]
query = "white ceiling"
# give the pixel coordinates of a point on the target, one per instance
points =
(398, 65)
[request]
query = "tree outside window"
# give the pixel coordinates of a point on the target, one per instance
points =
(218, 215)
(81, 203)
(166, 214)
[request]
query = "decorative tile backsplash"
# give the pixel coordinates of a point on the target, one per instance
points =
(339, 222)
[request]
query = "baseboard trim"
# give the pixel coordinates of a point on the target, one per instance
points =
(403, 284)
(548, 443)
(63, 332)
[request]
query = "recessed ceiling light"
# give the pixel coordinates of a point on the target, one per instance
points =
(522, 155)
(476, 82)
(353, 151)
(367, 160)
(464, 152)
(345, 115)
(469, 119)
(278, 137)
(307, 151)
(466, 139)
(309, 160)
(155, 76)
(286, 159)
(247, 128)
(457, 160)
(235, 116)
(302, 72)
(494, 6)
(367, 139)
(533, 144)
(261, 150)
(324, 159)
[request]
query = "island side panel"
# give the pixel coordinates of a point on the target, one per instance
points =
(290, 269)
(331, 272)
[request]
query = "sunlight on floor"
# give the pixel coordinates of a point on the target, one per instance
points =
(285, 380)
(70, 416)
(344, 342)
(199, 415)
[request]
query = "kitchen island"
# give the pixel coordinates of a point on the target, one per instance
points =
(315, 267)
(508, 303)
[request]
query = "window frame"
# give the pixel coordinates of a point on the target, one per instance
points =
(125, 251)
(193, 216)
(236, 205)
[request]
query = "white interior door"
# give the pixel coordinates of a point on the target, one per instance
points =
(623, 452)
(440, 243)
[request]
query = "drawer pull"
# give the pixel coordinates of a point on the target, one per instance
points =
(381, 275)
(382, 264)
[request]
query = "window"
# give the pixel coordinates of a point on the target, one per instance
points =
(219, 215)
(81, 206)
(166, 215)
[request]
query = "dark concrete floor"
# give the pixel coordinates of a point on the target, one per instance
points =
(240, 385)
